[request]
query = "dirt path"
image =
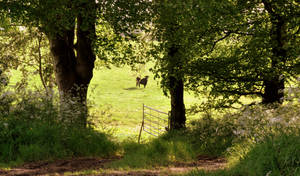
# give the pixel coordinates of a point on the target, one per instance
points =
(96, 166)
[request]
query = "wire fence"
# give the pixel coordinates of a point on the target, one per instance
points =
(155, 122)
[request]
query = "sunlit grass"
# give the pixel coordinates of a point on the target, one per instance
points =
(115, 90)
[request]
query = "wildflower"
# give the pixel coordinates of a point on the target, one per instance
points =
(5, 125)
(269, 173)
(275, 119)
(239, 132)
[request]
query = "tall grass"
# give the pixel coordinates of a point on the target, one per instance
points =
(278, 155)
(32, 129)
(275, 156)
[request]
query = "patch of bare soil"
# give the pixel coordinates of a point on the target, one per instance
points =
(58, 168)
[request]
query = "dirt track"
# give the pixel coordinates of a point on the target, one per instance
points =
(60, 167)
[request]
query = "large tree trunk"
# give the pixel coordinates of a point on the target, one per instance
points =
(274, 83)
(176, 88)
(74, 71)
(62, 49)
(177, 119)
(273, 90)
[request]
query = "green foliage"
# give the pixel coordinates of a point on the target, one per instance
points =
(213, 173)
(213, 136)
(278, 155)
(234, 135)
(189, 31)
(26, 50)
(32, 129)
(113, 48)
(256, 46)
(264, 141)
(4, 80)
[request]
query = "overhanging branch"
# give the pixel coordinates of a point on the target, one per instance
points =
(236, 92)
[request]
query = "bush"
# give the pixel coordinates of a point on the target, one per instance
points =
(264, 140)
(251, 125)
(275, 156)
(32, 129)
(212, 136)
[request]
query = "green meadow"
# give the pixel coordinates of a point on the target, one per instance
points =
(118, 103)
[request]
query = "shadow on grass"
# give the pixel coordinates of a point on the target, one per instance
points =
(131, 88)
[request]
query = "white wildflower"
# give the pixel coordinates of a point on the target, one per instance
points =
(268, 111)
(239, 132)
(269, 173)
(5, 125)
(275, 119)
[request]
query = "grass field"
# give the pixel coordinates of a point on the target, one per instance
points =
(114, 92)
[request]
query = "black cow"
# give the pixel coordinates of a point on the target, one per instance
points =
(144, 81)
(137, 81)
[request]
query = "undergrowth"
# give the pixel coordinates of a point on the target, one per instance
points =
(265, 140)
(275, 156)
(32, 129)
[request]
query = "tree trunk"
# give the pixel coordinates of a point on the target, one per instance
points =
(61, 47)
(74, 71)
(177, 119)
(176, 88)
(273, 90)
(274, 87)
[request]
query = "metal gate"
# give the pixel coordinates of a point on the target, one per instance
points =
(155, 122)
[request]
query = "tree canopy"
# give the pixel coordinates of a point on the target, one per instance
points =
(222, 50)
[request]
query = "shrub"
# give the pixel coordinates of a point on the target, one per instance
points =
(274, 155)
(278, 155)
(32, 129)
(265, 140)
(212, 136)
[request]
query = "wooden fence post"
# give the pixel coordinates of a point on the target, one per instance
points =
(142, 126)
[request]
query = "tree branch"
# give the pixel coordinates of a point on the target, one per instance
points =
(218, 40)
(241, 93)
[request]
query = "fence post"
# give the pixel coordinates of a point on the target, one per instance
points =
(142, 126)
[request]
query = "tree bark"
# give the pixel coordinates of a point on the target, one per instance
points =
(74, 70)
(64, 60)
(273, 90)
(178, 118)
(274, 83)
(176, 88)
